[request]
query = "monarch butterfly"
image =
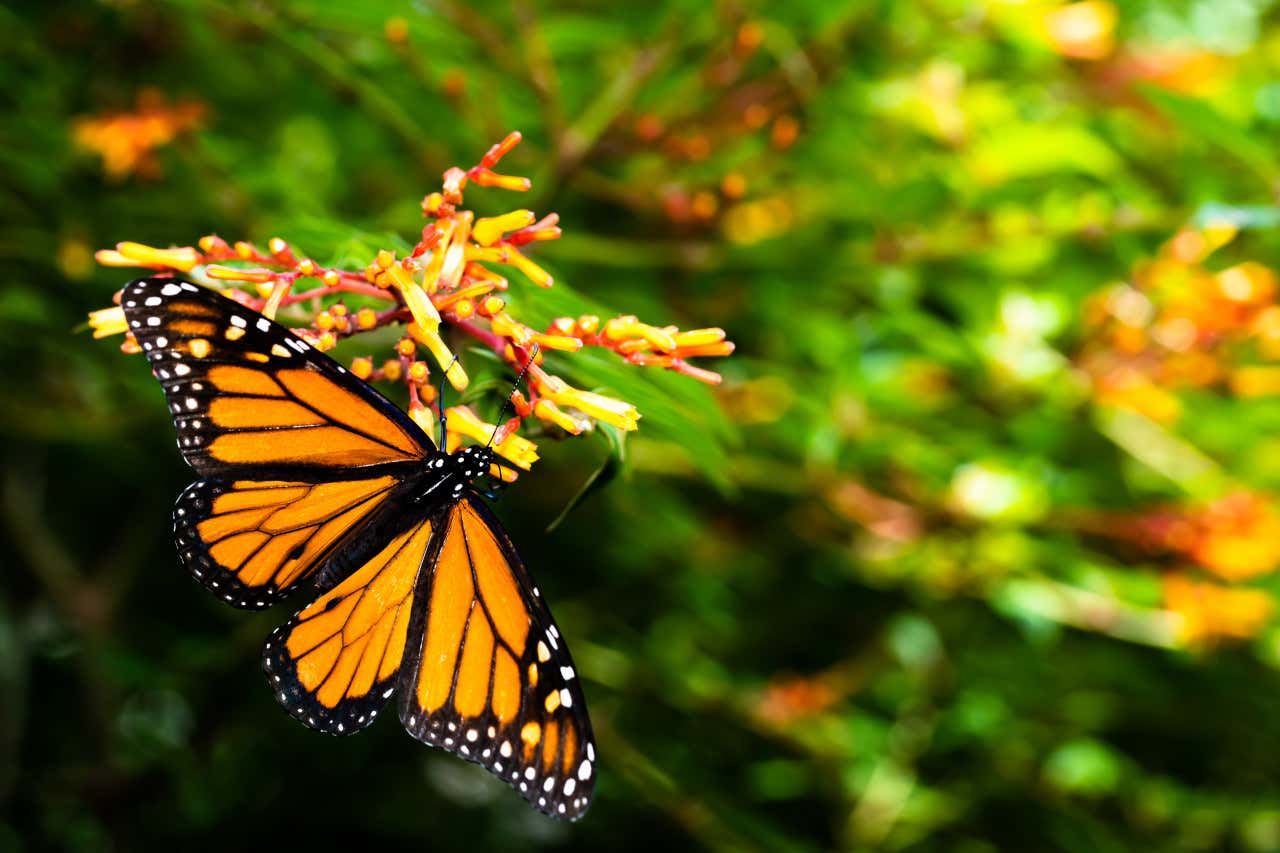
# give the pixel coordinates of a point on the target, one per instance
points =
(312, 479)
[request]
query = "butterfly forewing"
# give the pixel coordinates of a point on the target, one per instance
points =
(488, 676)
(248, 395)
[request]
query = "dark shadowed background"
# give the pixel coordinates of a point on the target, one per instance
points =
(972, 550)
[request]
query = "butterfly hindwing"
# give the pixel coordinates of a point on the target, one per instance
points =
(251, 542)
(248, 394)
(335, 664)
(487, 676)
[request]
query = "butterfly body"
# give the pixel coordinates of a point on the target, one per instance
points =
(311, 480)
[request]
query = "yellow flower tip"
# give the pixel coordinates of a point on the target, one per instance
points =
(617, 413)
(535, 273)
(489, 230)
(503, 325)
(112, 258)
(406, 347)
(563, 343)
(425, 418)
(265, 289)
(491, 305)
(588, 324)
(431, 339)
(340, 310)
(324, 321)
(277, 246)
(212, 244)
(560, 326)
(549, 411)
(183, 259)
(620, 327)
(244, 250)
(485, 178)
(331, 278)
(463, 421)
(222, 273)
(306, 266)
(108, 321)
(362, 367)
(373, 276)
(425, 315)
(418, 372)
(366, 318)
(384, 259)
(432, 204)
(519, 450)
(326, 341)
(392, 370)
(698, 337)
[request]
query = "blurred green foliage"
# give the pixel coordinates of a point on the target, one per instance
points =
(887, 588)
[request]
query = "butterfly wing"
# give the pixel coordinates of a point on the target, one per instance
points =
(251, 400)
(298, 456)
(251, 542)
(486, 674)
(335, 663)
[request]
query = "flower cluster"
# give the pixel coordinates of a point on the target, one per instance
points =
(127, 141)
(1177, 324)
(452, 278)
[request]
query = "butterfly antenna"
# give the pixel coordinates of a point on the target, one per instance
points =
(440, 400)
(533, 353)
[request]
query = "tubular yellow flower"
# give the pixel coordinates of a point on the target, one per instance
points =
(519, 450)
(536, 274)
(443, 355)
(424, 312)
(618, 413)
(425, 418)
(489, 230)
(278, 292)
(549, 411)
(557, 342)
(232, 274)
(509, 328)
(138, 255)
(698, 337)
(628, 326)
(453, 254)
(108, 321)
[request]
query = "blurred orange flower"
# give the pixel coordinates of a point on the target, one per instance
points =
(1210, 611)
(127, 141)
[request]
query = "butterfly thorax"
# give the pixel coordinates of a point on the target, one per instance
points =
(447, 476)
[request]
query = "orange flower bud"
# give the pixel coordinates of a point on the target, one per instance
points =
(497, 152)
(392, 370)
(307, 267)
(326, 341)
(244, 250)
(418, 371)
(362, 367)
(406, 347)
(324, 321)
(331, 278)
(366, 318)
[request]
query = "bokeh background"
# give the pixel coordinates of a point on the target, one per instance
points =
(972, 550)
